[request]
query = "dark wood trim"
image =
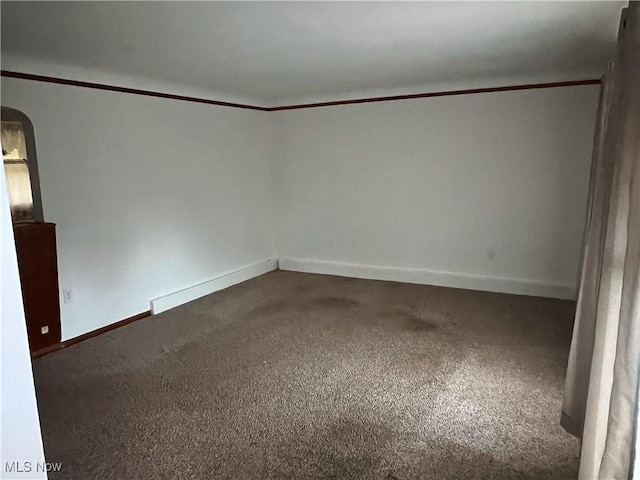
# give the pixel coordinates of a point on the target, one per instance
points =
(86, 336)
(149, 93)
(439, 94)
(134, 91)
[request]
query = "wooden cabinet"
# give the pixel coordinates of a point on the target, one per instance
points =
(38, 266)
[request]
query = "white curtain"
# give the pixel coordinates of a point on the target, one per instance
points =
(13, 140)
(601, 391)
(16, 168)
(18, 185)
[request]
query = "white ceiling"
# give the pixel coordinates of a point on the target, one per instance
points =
(282, 52)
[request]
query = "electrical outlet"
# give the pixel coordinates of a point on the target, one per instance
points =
(68, 296)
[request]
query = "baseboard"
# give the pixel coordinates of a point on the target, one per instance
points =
(91, 334)
(220, 282)
(406, 275)
(427, 277)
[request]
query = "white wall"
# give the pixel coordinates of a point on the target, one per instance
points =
(20, 440)
(152, 196)
(483, 191)
(149, 195)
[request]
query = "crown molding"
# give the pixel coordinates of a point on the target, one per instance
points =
(185, 98)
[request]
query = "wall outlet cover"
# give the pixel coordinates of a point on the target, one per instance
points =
(68, 296)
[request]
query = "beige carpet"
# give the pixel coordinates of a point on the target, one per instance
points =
(296, 376)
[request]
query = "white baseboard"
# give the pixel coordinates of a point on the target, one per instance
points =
(428, 277)
(220, 282)
(406, 275)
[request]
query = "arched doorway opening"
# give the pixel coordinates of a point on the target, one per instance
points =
(21, 166)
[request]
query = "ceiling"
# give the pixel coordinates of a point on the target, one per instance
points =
(275, 53)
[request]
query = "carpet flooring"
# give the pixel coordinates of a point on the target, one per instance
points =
(298, 376)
